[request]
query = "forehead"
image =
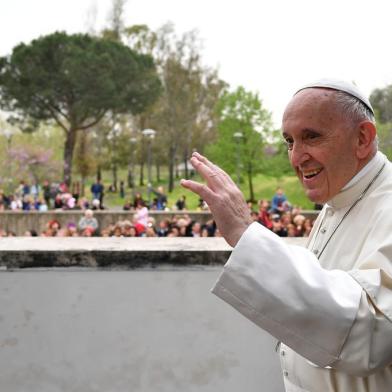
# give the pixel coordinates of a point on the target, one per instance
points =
(312, 107)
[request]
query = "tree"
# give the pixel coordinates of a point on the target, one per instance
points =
(116, 18)
(84, 160)
(184, 114)
(275, 161)
(384, 134)
(243, 128)
(33, 162)
(74, 81)
(381, 100)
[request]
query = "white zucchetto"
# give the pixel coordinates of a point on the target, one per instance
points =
(339, 85)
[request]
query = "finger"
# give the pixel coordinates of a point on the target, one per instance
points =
(207, 162)
(201, 189)
(213, 177)
(213, 170)
(211, 165)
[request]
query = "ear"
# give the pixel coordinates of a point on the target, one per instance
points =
(366, 135)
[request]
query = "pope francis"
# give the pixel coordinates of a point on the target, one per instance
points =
(330, 304)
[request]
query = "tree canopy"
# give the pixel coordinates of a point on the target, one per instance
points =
(184, 115)
(381, 99)
(243, 128)
(74, 80)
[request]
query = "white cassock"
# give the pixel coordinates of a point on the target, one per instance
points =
(333, 315)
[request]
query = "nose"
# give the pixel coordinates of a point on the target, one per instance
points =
(298, 155)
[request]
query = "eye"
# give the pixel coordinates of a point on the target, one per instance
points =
(311, 135)
(289, 143)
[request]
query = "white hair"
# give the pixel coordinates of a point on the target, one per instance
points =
(354, 109)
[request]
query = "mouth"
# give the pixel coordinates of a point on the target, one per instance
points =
(308, 174)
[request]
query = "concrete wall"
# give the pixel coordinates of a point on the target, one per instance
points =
(147, 330)
(19, 222)
(26, 252)
(139, 324)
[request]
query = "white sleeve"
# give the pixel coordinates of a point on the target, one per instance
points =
(323, 315)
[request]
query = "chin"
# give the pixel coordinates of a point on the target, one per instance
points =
(316, 198)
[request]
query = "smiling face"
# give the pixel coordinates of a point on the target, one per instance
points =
(322, 144)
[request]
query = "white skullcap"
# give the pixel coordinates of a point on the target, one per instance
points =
(340, 85)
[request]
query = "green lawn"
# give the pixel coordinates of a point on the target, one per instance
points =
(264, 188)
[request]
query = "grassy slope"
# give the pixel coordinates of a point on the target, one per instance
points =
(264, 188)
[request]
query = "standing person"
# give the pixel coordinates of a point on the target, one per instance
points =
(76, 190)
(46, 190)
(97, 190)
(181, 203)
(330, 304)
(161, 198)
(22, 190)
(35, 190)
(141, 214)
(137, 200)
(122, 190)
(25, 189)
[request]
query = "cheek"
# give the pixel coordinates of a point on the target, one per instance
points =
(290, 156)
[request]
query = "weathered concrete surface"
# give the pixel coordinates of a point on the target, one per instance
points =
(21, 221)
(156, 330)
(24, 252)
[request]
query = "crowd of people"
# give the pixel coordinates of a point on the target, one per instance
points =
(59, 196)
(277, 215)
(55, 195)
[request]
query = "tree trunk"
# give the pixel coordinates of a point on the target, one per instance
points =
(82, 186)
(130, 177)
(172, 161)
(176, 168)
(141, 181)
(114, 172)
(68, 154)
(250, 180)
(186, 172)
(158, 171)
(99, 172)
(82, 152)
(142, 159)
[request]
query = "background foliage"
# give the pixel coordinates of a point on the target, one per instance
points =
(77, 106)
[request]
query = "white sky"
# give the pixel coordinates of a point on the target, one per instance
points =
(268, 46)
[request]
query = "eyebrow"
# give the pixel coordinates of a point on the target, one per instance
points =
(303, 130)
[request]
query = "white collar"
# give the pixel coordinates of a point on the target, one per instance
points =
(358, 183)
(366, 169)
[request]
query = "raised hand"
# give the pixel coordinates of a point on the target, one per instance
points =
(222, 195)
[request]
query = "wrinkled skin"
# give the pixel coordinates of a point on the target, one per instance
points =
(324, 147)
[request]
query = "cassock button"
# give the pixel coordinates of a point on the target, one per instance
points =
(285, 374)
(323, 230)
(315, 251)
(283, 353)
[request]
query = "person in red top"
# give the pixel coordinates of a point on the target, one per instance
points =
(264, 216)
